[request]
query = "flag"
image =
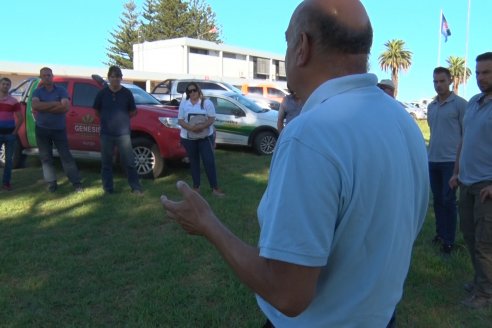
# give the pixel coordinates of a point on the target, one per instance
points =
(213, 30)
(445, 31)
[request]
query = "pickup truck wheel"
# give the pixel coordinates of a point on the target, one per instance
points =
(264, 142)
(148, 160)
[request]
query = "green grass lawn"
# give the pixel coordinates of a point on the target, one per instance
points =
(95, 260)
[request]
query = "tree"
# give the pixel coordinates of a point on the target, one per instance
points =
(202, 22)
(395, 58)
(168, 19)
(161, 20)
(120, 51)
(459, 74)
(164, 19)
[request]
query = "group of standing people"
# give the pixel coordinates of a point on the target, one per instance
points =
(460, 158)
(114, 105)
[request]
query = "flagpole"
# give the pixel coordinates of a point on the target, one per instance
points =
(466, 45)
(439, 36)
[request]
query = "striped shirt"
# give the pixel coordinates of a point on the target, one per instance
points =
(8, 106)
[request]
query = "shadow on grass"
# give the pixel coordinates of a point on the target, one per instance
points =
(91, 259)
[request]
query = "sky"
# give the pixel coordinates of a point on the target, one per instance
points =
(76, 33)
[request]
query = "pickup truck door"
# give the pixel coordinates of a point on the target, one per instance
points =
(82, 123)
(231, 122)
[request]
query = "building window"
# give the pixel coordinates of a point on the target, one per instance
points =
(281, 69)
(262, 66)
(199, 51)
(233, 56)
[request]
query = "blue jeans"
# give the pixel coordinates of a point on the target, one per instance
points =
(444, 200)
(46, 138)
(9, 141)
(124, 144)
(201, 148)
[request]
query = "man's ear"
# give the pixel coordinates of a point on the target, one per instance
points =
(303, 51)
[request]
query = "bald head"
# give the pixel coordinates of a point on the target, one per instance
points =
(349, 12)
(335, 26)
(326, 39)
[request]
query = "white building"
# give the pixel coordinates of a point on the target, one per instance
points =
(208, 60)
(175, 58)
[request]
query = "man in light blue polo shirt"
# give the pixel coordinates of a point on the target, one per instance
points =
(347, 192)
(473, 173)
(445, 117)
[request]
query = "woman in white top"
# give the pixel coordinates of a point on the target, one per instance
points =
(196, 117)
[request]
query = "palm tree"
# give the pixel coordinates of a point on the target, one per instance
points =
(458, 72)
(395, 58)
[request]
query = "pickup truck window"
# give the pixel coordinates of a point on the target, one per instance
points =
(210, 86)
(84, 94)
(64, 85)
(20, 92)
(256, 90)
(225, 107)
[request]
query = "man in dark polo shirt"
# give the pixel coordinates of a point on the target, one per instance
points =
(473, 173)
(445, 118)
(51, 104)
(115, 106)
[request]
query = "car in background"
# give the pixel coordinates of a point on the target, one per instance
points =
(171, 91)
(267, 90)
(264, 102)
(414, 111)
(419, 105)
(239, 121)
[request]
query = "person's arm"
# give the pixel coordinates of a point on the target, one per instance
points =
(280, 119)
(205, 125)
(98, 103)
(288, 287)
(18, 122)
(185, 125)
(43, 106)
(453, 182)
(133, 107)
(54, 107)
(210, 109)
(281, 115)
(486, 193)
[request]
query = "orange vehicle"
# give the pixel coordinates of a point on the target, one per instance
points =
(267, 90)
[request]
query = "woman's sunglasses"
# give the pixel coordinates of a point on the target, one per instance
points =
(190, 91)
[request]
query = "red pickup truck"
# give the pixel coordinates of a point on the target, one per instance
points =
(154, 130)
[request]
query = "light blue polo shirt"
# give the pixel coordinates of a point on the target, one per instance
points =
(476, 150)
(446, 124)
(347, 192)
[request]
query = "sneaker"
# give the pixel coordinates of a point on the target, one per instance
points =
(469, 286)
(217, 192)
(137, 192)
(477, 301)
(446, 248)
(52, 187)
(78, 188)
(7, 186)
(437, 240)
